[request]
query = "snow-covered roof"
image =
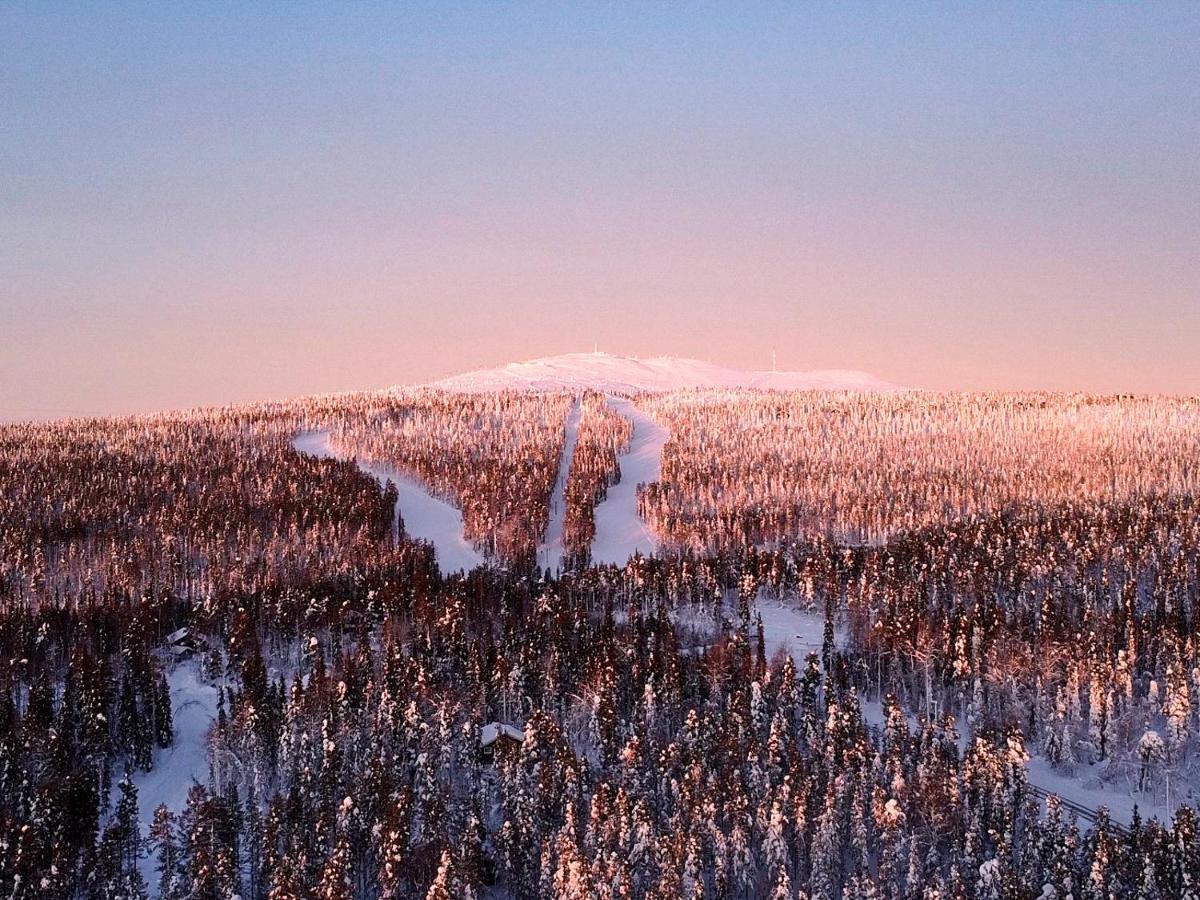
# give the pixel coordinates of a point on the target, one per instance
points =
(176, 636)
(493, 730)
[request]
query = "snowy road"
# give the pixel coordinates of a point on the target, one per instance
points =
(552, 550)
(620, 531)
(426, 518)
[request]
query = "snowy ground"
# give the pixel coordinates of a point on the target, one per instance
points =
(785, 628)
(1119, 794)
(551, 552)
(426, 518)
(193, 710)
(793, 630)
(620, 531)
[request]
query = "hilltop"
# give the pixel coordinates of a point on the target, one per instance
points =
(626, 375)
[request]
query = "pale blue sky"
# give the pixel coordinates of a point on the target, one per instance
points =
(213, 202)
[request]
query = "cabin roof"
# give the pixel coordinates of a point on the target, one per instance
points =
(492, 731)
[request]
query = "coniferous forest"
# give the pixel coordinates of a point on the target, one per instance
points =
(878, 637)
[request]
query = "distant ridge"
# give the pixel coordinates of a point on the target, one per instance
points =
(626, 375)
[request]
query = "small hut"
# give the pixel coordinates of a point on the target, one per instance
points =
(497, 739)
(182, 643)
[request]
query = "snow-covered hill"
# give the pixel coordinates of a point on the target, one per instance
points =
(625, 375)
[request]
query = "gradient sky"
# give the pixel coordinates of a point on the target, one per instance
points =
(212, 202)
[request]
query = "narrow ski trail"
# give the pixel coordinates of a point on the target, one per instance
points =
(553, 547)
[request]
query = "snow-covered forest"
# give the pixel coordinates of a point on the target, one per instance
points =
(889, 644)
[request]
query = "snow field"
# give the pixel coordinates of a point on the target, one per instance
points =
(798, 632)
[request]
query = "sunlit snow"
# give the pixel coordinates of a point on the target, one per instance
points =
(611, 374)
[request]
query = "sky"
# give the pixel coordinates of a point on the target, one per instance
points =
(208, 203)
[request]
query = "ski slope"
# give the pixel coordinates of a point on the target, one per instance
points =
(623, 375)
(425, 517)
(553, 548)
(620, 531)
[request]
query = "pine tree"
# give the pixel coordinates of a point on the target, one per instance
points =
(164, 728)
(335, 881)
(210, 872)
(442, 887)
(775, 847)
(166, 845)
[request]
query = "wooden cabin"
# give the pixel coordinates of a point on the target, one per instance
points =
(498, 738)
